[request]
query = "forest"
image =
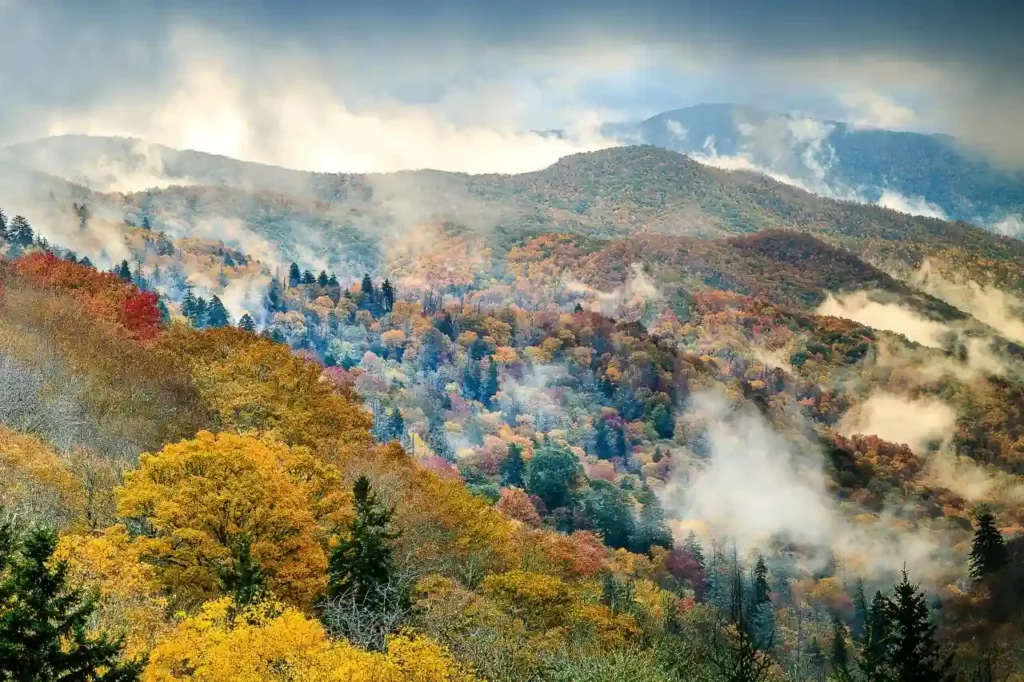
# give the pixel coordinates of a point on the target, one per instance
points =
(562, 456)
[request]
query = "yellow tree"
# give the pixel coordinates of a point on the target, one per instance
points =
(268, 642)
(222, 512)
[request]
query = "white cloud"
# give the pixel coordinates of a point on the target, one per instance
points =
(870, 109)
(912, 205)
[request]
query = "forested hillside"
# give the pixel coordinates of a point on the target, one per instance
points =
(628, 417)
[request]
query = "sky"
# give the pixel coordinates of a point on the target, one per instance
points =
(364, 85)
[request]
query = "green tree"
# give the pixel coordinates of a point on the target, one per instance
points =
(692, 547)
(491, 384)
(912, 653)
(651, 530)
(513, 467)
(362, 564)
(44, 620)
(246, 323)
(20, 233)
(858, 628)
(387, 293)
(554, 475)
(308, 278)
(322, 279)
(294, 275)
(216, 314)
(873, 649)
(988, 548)
(610, 509)
(124, 272)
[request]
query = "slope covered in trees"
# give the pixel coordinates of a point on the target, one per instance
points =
(597, 452)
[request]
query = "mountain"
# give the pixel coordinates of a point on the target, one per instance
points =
(548, 380)
(919, 173)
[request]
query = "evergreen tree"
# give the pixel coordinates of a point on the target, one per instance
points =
(512, 468)
(146, 225)
(396, 425)
(44, 619)
(86, 262)
(651, 530)
(245, 581)
(367, 286)
(246, 323)
(387, 293)
(3, 225)
(332, 281)
(20, 233)
(294, 275)
(164, 247)
(165, 314)
(322, 278)
(274, 299)
(872, 663)
(988, 548)
(216, 314)
(860, 613)
(308, 278)
(840, 653)
(692, 547)
(912, 653)
(491, 384)
(437, 438)
(188, 305)
(124, 272)
(471, 381)
(362, 563)
(762, 614)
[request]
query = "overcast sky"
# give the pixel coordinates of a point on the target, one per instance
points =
(383, 84)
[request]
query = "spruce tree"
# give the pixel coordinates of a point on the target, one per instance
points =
(872, 663)
(322, 278)
(387, 293)
(840, 652)
(912, 653)
(308, 278)
(651, 530)
(188, 305)
(20, 233)
(86, 262)
(294, 275)
(124, 272)
(44, 620)
(246, 323)
(860, 613)
(762, 615)
(512, 468)
(988, 548)
(332, 281)
(692, 547)
(362, 563)
(3, 225)
(216, 314)
(273, 299)
(491, 384)
(397, 425)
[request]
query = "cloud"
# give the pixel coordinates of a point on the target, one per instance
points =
(757, 484)
(543, 64)
(921, 424)
(860, 307)
(911, 205)
(996, 308)
(869, 109)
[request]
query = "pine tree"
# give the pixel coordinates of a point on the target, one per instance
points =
(216, 314)
(294, 275)
(362, 563)
(840, 653)
(332, 281)
(860, 613)
(387, 293)
(245, 581)
(762, 615)
(988, 548)
(367, 286)
(3, 225)
(124, 272)
(397, 425)
(308, 278)
(513, 467)
(322, 278)
(651, 530)
(273, 299)
(188, 305)
(20, 233)
(760, 592)
(44, 619)
(246, 323)
(872, 663)
(491, 384)
(146, 225)
(86, 262)
(692, 547)
(912, 653)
